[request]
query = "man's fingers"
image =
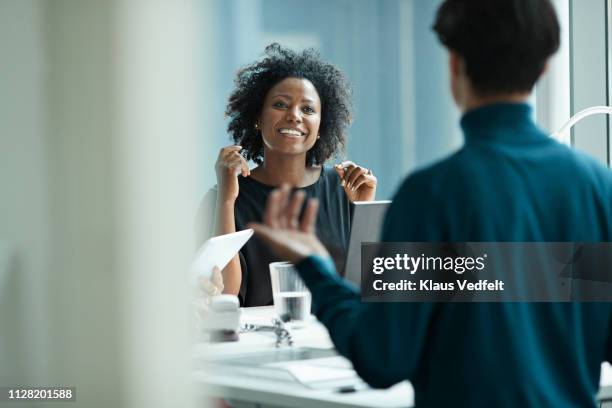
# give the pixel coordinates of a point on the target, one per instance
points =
(310, 216)
(282, 217)
(294, 208)
(265, 232)
(272, 209)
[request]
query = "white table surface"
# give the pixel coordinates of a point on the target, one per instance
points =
(283, 393)
(266, 392)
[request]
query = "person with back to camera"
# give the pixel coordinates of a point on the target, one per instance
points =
(288, 114)
(510, 182)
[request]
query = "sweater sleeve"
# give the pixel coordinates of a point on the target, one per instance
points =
(608, 349)
(384, 341)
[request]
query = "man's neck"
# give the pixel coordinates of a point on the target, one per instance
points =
(472, 102)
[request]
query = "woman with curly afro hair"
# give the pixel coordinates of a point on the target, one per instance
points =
(288, 114)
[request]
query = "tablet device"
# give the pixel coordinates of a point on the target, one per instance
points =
(218, 251)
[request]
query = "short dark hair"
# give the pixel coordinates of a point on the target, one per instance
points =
(253, 83)
(505, 43)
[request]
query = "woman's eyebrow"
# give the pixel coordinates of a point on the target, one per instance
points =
(305, 99)
(283, 95)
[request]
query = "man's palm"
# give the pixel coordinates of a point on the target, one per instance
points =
(290, 238)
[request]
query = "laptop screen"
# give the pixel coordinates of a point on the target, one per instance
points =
(366, 224)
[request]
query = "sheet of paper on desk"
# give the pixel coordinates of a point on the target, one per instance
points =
(330, 372)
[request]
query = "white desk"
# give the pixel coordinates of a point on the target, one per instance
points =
(245, 391)
(241, 390)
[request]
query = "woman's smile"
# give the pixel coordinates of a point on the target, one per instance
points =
(292, 132)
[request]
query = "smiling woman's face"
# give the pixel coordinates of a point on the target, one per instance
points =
(290, 117)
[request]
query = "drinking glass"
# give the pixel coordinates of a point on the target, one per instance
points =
(292, 298)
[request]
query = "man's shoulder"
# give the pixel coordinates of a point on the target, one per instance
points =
(426, 179)
(591, 167)
(579, 170)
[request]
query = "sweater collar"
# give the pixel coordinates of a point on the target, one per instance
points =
(500, 122)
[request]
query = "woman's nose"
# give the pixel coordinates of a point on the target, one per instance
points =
(294, 115)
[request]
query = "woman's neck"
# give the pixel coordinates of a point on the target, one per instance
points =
(286, 169)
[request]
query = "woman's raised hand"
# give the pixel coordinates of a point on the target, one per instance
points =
(228, 166)
(359, 183)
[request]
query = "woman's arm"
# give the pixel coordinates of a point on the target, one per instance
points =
(229, 165)
(225, 224)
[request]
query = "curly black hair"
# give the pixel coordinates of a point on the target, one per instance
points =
(253, 83)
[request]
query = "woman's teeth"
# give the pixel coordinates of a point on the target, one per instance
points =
(290, 132)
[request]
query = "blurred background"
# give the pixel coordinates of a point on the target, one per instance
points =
(112, 118)
(374, 44)
(404, 114)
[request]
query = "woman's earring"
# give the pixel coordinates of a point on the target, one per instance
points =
(318, 136)
(256, 125)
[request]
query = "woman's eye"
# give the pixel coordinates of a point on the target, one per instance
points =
(279, 104)
(308, 109)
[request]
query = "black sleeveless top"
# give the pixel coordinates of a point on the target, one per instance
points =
(332, 229)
